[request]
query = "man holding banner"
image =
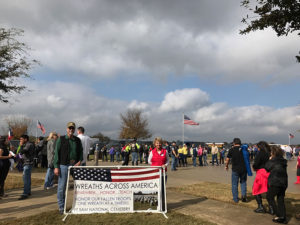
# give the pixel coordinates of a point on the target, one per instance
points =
(68, 152)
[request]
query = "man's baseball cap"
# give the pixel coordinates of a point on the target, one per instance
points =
(71, 124)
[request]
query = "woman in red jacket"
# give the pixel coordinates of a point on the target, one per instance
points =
(159, 157)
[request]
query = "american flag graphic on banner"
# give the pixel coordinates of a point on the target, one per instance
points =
(115, 175)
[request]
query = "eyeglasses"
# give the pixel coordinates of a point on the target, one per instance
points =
(71, 128)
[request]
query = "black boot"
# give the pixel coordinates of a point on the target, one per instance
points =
(280, 220)
(260, 208)
(271, 210)
(244, 199)
(1, 190)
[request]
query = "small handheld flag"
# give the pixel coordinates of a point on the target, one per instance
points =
(10, 134)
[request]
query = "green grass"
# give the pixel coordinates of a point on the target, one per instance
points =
(53, 217)
(222, 192)
(15, 181)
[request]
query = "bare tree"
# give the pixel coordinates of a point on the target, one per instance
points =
(19, 125)
(134, 125)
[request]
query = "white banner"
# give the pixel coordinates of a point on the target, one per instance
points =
(115, 195)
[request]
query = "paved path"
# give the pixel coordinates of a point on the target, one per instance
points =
(211, 210)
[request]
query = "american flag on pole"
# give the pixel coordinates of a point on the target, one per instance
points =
(188, 121)
(291, 136)
(10, 134)
(40, 126)
(115, 175)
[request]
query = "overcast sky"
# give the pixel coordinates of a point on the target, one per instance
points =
(165, 57)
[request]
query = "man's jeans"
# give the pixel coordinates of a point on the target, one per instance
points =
(288, 155)
(62, 183)
(215, 157)
(141, 156)
(205, 160)
(174, 162)
(134, 157)
(235, 178)
(194, 161)
(27, 179)
(200, 160)
(118, 156)
(49, 178)
(112, 157)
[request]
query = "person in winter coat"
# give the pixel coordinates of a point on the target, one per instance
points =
(298, 170)
(260, 184)
(277, 183)
(51, 141)
(5, 155)
(27, 154)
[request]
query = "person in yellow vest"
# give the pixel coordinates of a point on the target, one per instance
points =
(180, 157)
(126, 155)
(185, 155)
(134, 149)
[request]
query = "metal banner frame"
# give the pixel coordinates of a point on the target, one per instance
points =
(162, 178)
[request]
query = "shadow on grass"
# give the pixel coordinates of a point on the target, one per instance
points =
(292, 206)
(36, 192)
(17, 209)
(183, 203)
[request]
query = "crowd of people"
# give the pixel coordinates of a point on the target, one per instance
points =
(58, 153)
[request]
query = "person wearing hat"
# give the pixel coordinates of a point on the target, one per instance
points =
(68, 152)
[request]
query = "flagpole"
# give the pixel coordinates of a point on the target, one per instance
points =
(289, 139)
(182, 128)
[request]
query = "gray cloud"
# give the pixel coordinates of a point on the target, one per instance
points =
(46, 15)
(103, 39)
(57, 103)
(109, 39)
